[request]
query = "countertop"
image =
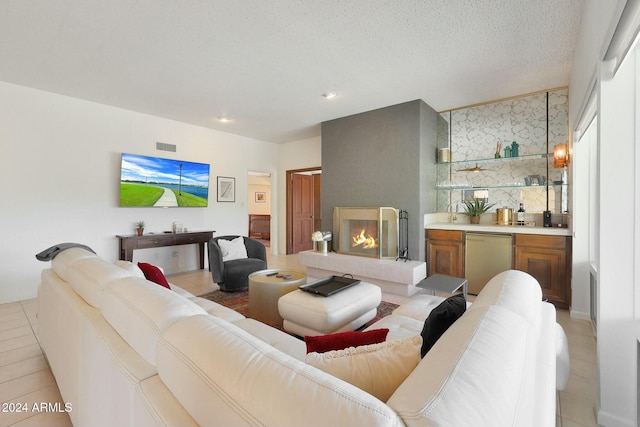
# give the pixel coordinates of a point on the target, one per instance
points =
(507, 229)
(439, 222)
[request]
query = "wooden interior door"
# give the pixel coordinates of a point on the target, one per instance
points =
(302, 212)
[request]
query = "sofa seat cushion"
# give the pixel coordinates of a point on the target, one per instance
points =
(399, 326)
(419, 307)
(215, 309)
(220, 372)
(455, 383)
(284, 342)
(178, 290)
(375, 368)
(140, 311)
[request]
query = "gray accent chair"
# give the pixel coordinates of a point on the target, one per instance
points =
(234, 275)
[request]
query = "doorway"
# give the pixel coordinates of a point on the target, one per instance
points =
(259, 206)
(304, 213)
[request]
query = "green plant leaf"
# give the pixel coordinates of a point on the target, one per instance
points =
(476, 207)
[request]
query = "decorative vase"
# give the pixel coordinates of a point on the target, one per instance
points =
(474, 219)
(140, 231)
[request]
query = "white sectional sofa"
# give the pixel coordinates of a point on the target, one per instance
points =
(128, 352)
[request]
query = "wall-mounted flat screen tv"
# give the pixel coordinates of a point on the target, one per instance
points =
(157, 182)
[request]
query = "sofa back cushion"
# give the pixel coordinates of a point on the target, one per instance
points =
(87, 273)
(132, 268)
(473, 375)
(219, 372)
(514, 290)
(62, 262)
(140, 311)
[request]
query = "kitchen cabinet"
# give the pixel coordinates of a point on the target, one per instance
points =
(548, 259)
(445, 252)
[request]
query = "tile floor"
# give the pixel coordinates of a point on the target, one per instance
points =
(26, 378)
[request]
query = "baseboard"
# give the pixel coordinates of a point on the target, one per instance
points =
(580, 315)
(610, 420)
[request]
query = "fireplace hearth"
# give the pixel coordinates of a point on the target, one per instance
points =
(366, 231)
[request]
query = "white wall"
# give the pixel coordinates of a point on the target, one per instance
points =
(596, 27)
(617, 345)
(259, 208)
(295, 155)
(59, 180)
(616, 341)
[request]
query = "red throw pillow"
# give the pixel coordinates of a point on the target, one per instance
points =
(342, 340)
(153, 273)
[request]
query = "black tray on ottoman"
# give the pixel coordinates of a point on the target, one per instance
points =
(329, 286)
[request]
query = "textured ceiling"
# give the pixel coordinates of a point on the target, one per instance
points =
(265, 64)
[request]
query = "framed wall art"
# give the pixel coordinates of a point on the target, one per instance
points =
(261, 197)
(226, 189)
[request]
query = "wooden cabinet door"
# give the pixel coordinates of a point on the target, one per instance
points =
(445, 253)
(303, 226)
(545, 258)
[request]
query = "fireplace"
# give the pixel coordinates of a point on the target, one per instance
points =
(367, 231)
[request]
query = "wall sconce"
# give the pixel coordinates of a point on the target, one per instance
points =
(560, 156)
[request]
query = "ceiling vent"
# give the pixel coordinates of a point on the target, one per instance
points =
(165, 147)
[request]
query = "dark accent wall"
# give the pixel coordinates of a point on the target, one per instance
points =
(383, 157)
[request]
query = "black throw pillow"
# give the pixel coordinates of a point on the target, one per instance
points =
(440, 319)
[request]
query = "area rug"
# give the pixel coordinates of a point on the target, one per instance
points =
(239, 301)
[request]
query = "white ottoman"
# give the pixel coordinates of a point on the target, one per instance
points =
(309, 314)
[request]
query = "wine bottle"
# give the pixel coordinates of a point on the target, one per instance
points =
(521, 215)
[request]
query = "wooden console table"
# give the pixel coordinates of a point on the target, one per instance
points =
(131, 242)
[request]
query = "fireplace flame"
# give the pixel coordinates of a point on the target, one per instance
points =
(365, 240)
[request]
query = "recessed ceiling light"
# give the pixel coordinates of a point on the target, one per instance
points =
(223, 119)
(329, 95)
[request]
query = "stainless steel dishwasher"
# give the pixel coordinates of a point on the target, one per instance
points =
(487, 254)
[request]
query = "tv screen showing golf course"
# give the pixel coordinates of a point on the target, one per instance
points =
(156, 182)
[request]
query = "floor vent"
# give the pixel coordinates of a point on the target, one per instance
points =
(165, 147)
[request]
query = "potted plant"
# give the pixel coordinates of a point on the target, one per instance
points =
(476, 207)
(140, 227)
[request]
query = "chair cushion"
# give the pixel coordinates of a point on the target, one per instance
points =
(232, 249)
(236, 272)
